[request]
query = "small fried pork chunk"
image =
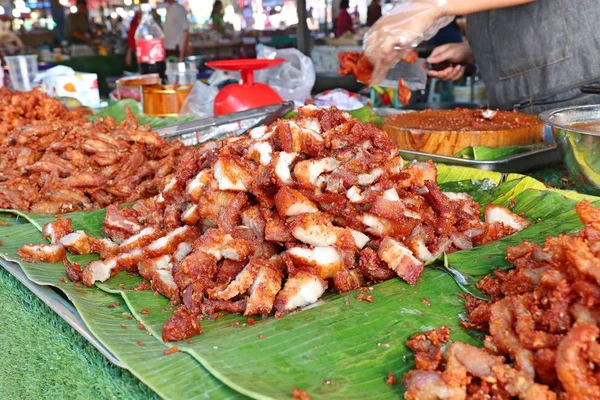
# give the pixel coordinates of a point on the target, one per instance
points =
(77, 242)
(50, 253)
(495, 213)
(401, 260)
(55, 230)
(99, 271)
(263, 291)
(299, 291)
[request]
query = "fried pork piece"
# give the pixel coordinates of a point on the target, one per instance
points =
(55, 230)
(50, 253)
(426, 347)
(77, 242)
(263, 291)
(325, 261)
(182, 325)
(221, 244)
(141, 239)
(290, 202)
(299, 291)
(99, 271)
(495, 213)
(168, 243)
(400, 259)
(72, 164)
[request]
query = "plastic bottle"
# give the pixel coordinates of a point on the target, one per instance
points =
(150, 44)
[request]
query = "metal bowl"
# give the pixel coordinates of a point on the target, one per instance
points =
(580, 148)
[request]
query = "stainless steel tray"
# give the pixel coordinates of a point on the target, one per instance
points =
(519, 163)
(198, 131)
(61, 306)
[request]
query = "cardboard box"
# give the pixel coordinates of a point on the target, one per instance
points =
(81, 86)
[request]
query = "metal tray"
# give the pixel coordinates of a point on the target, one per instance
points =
(519, 163)
(199, 131)
(60, 305)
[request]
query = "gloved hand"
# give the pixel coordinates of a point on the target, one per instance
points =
(406, 25)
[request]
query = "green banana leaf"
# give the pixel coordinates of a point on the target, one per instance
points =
(117, 111)
(176, 376)
(486, 153)
(341, 347)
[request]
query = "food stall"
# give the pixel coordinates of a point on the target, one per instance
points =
(274, 250)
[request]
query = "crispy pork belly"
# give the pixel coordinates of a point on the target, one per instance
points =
(300, 290)
(360, 239)
(99, 271)
(50, 253)
(221, 244)
(495, 213)
(325, 261)
(77, 242)
(261, 152)
(191, 215)
(168, 244)
(182, 251)
(231, 175)
(104, 247)
(147, 267)
(307, 172)
(253, 219)
(55, 230)
(162, 281)
(116, 220)
(230, 216)
(281, 165)
(182, 325)
(275, 228)
(372, 267)
(318, 230)
(242, 282)
(296, 139)
(258, 133)
(196, 186)
(290, 202)
(395, 165)
(140, 239)
(371, 177)
(197, 267)
(129, 261)
(400, 259)
(347, 280)
(170, 189)
(263, 291)
(382, 227)
(418, 173)
(417, 245)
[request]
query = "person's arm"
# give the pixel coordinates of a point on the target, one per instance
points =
(184, 45)
(410, 22)
(80, 36)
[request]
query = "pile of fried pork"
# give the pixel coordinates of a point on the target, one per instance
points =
(268, 221)
(53, 160)
(542, 327)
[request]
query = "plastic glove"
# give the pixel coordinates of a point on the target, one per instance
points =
(406, 25)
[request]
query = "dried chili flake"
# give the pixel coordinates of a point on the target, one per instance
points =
(391, 379)
(250, 321)
(170, 350)
(139, 342)
(145, 311)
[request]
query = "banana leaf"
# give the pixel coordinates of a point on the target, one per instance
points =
(486, 153)
(117, 111)
(341, 347)
(176, 376)
(364, 114)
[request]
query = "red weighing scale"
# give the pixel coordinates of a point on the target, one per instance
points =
(247, 94)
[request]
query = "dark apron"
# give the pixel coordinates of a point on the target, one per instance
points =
(539, 54)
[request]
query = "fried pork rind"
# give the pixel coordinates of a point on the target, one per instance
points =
(542, 324)
(50, 253)
(53, 160)
(267, 222)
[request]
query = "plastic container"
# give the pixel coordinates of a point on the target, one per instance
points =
(164, 100)
(181, 73)
(22, 70)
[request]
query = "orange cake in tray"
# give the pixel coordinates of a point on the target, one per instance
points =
(447, 131)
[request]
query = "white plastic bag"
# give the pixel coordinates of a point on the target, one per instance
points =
(294, 79)
(200, 101)
(341, 98)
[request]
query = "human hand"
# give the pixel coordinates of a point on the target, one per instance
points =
(404, 27)
(456, 53)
